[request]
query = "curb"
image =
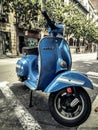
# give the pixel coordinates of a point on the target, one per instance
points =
(9, 56)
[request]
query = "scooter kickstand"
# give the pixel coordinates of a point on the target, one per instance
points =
(30, 103)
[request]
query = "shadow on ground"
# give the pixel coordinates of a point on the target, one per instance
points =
(40, 109)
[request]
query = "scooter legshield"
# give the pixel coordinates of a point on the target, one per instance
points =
(68, 79)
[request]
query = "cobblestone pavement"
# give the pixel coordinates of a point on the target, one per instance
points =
(16, 114)
(8, 120)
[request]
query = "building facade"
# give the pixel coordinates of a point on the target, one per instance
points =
(95, 5)
(5, 33)
(13, 37)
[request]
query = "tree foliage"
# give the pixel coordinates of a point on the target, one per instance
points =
(76, 24)
(26, 12)
(75, 21)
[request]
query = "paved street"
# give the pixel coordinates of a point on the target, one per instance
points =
(14, 97)
(87, 64)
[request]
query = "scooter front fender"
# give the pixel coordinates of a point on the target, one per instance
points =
(68, 79)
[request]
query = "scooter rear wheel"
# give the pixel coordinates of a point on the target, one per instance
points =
(70, 109)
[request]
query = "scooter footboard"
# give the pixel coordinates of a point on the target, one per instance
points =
(68, 79)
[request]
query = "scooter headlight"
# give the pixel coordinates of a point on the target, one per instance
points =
(63, 64)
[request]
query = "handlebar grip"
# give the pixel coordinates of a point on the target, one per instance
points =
(46, 16)
(49, 22)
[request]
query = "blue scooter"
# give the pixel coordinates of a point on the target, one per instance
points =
(48, 68)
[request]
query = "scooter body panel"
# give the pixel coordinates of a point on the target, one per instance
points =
(41, 69)
(68, 79)
(53, 50)
(23, 64)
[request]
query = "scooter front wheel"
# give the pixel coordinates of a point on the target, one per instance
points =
(70, 109)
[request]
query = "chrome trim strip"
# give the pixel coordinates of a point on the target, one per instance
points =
(71, 81)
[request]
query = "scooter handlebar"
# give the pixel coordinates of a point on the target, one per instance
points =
(49, 22)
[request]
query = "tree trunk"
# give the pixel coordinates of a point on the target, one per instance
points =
(78, 45)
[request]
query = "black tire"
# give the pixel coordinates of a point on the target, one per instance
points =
(67, 115)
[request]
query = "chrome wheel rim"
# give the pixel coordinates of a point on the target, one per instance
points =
(62, 106)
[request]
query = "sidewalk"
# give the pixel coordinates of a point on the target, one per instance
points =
(92, 122)
(84, 56)
(75, 56)
(9, 56)
(3, 56)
